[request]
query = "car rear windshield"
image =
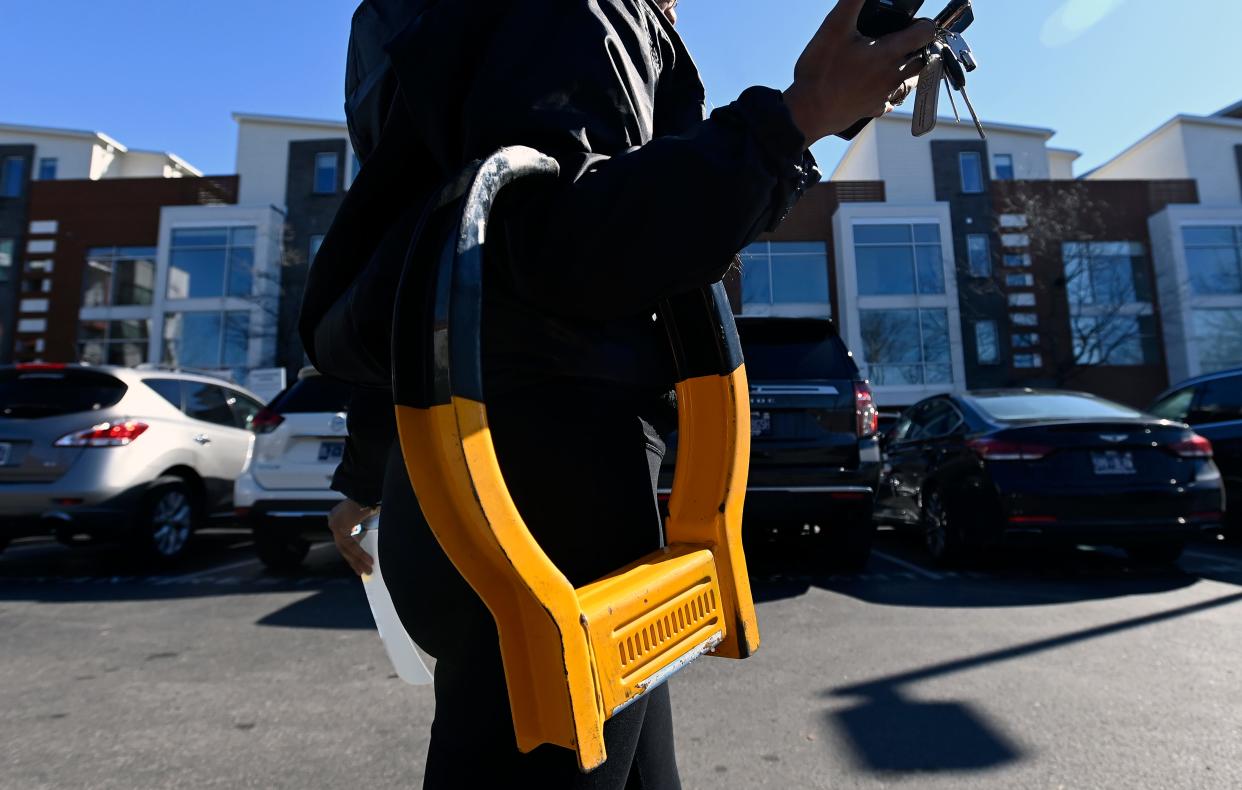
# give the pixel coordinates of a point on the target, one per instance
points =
(34, 393)
(1051, 406)
(785, 349)
(311, 395)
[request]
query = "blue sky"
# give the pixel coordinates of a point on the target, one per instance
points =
(166, 74)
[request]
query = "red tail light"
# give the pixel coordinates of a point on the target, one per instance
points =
(1195, 447)
(864, 406)
(1000, 450)
(265, 421)
(105, 434)
(40, 366)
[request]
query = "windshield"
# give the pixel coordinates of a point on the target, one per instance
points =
(782, 349)
(1050, 406)
(27, 394)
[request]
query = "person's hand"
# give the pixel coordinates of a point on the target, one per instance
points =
(843, 75)
(342, 520)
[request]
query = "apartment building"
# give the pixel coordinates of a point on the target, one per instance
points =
(1197, 247)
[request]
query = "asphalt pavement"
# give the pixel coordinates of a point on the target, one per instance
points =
(1032, 670)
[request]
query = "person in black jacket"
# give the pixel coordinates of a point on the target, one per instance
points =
(654, 200)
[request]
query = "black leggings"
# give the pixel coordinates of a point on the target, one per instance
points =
(587, 491)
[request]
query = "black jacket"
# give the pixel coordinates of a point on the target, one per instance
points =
(654, 200)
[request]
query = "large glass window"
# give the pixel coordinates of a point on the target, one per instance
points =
(12, 176)
(114, 342)
(7, 246)
(1214, 258)
(971, 164)
(1218, 338)
(326, 166)
(786, 278)
(979, 253)
(211, 262)
(906, 347)
(1109, 294)
(1116, 339)
(987, 343)
(47, 168)
(898, 259)
(118, 276)
(207, 340)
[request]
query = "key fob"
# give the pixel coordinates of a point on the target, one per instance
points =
(927, 99)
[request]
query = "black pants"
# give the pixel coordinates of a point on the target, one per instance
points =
(582, 473)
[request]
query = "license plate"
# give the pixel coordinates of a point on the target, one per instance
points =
(331, 451)
(1113, 463)
(6, 450)
(760, 423)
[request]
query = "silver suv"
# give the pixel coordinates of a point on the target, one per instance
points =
(140, 455)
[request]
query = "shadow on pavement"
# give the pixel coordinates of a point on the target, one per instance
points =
(891, 733)
(332, 608)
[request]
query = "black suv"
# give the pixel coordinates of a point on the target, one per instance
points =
(1212, 405)
(815, 452)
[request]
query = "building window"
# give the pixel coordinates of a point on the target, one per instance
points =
(1218, 338)
(1110, 303)
(906, 347)
(1004, 167)
(207, 340)
(979, 251)
(1022, 300)
(114, 342)
(47, 168)
(987, 343)
(326, 166)
(12, 176)
(1025, 340)
(211, 262)
(898, 260)
(786, 278)
(32, 325)
(1020, 280)
(315, 243)
(117, 276)
(1018, 260)
(971, 164)
(1214, 258)
(7, 247)
(1028, 361)
(1024, 319)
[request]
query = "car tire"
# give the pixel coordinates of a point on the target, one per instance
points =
(278, 549)
(848, 548)
(943, 534)
(1157, 553)
(165, 522)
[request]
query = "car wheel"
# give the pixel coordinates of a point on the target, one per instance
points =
(278, 549)
(942, 532)
(166, 521)
(848, 547)
(1157, 553)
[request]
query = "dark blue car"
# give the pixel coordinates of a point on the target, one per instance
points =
(1007, 466)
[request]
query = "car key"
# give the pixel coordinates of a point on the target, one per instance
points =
(927, 98)
(955, 76)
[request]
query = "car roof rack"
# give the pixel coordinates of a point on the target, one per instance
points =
(573, 658)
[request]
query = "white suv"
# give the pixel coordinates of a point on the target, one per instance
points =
(283, 492)
(141, 455)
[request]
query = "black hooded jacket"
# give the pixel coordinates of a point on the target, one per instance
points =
(654, 200)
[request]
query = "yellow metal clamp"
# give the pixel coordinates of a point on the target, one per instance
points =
(573, 658)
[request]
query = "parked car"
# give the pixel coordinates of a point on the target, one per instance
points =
(1019, 465)
(141, 455)
(283, 492)
(1212, 405)
(815, 454)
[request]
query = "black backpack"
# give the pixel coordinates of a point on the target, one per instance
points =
(370, 84)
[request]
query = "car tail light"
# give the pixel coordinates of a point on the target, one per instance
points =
(1195, 447)
(1000, 450)
(265, 421)
(864, 406)
(40, 366)
(105, 434)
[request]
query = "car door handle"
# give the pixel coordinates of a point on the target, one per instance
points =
(202, 438)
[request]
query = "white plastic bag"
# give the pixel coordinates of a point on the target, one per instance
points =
(401, 650)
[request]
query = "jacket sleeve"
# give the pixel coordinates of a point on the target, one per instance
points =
(372, 430)
(637, 215)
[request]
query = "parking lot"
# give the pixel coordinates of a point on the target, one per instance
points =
(1033, 670)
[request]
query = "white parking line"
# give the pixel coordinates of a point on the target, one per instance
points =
(910, 566)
